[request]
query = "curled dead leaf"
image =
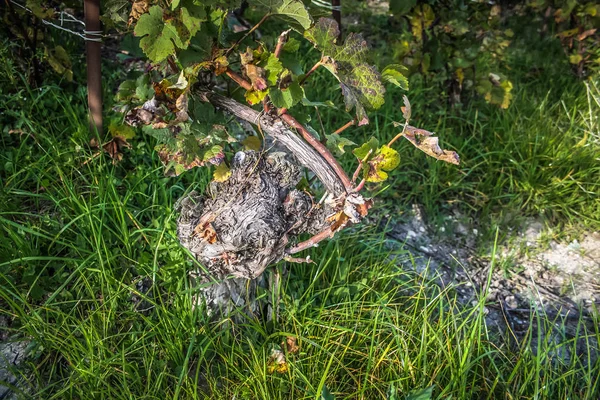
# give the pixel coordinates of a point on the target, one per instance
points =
(338, 221)
(138, 8)
(429, 144)
(114, 148)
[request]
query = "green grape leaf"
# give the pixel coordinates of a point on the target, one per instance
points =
(365, 81)
(295, 13)
(274, 68)
(394, 74)
(355, 50)
(122, 130)
(187, 21)
(360, 82)
(157, 37)
(336, 143)
(163, 31)
(323, 34)
(291, 46)
(385, 160)
(429, 144)
(288, 97)
(292, 11)
(366, 150)
(401, 7)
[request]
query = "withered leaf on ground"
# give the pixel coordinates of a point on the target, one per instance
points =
(114, 147)
(429, 144)
(291, 345)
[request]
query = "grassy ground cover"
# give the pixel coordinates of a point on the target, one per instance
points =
(91, 273)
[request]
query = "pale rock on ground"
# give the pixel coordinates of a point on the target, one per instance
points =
(561, 280)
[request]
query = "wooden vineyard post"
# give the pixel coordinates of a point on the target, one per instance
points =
(336, 13)
(94, 73)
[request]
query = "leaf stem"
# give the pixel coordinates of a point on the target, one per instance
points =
(309, 73)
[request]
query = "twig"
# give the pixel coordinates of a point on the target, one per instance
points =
(283, 38)
(319, 237)
(255, 27)
(238, 79)
(343, 128)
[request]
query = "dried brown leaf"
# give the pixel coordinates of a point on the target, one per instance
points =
(291, 345)
(115, 146)
(429, 144)
(138, 8)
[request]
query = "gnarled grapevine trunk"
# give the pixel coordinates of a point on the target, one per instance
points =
(243, 225)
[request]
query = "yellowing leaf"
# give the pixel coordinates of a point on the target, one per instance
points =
(256, 96)
(385, 160)
(252, 143)
(575, 58)
(221, 173)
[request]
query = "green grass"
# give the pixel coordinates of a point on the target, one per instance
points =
(539, 158)
(78, 235)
